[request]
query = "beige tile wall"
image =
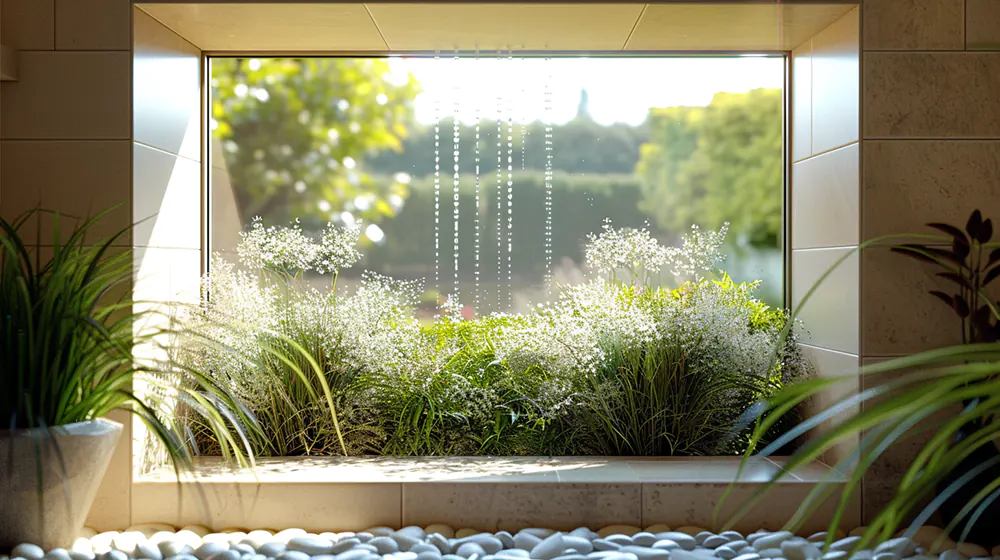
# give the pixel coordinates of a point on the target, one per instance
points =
(931, 152)
(825, 212)
(65, 129)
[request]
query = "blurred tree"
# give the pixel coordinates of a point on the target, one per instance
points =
(294, 134)
(715, 164)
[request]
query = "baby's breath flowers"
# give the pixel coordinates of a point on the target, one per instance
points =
(627, 249)
(289, 250)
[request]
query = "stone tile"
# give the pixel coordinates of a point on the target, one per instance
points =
(93, 25)
(28, 24)
(166, 199)
(831, 313)
(931, 95)
(829, 365)
(982, 25)
(910, 183)
(825, 200)
(516, 506)
(802, 102)
(694, 504)
(69, 95)
(835, 87)
(167, 89)
(914, 24)
(898, 316)
(701, 469)
(110, 511)
(311, 506)
(884, 475)
(78, 178)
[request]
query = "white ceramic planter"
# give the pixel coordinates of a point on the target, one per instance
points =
(71, 460)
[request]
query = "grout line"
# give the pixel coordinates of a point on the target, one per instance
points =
(827, 151)
(841, 352)
(634, 26)
(932, 139)
(162, 151)
(834, 248)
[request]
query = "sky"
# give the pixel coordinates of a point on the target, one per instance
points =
(619, 89)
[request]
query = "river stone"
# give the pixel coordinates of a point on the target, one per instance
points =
(835, 555)
(57, 554)
(113, 555)
(313, 546)
(799, 549)
(552, 546)
(467, 549)
(571, 557)
(429, 554)
(643, 553)
(604, 545)
(579, 544)
(686, 541)
(887, 556)
(513, 553)
(702, 535)
(145, 550)
(77, 555)
(738, 544)
(725, 553)
(526, 541)
(188, 557)
(506, 539)
(584, 533)
(714, 541)
(817, 537)
(772, 541)
(368, 547)
(405, 542)
(643, 538)
(748, 556)
(243, 548)
(364, 536)
(453, 557)
(440, 542)
(353, 554)
(384, 545)
(620, 539)
(425, 547)
(230, 554)
(901, 546)
(344, 545)
(489, 543)
(845, 544)
(174, 548)
(440, 528)
(770, 553)
(209, 549)
(951, 555)
(618, 529)
(862, 555)
(667, 544)
(272, 549)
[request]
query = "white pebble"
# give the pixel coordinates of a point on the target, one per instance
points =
(113, 555)
(770, 553)
(189, 538)
(513, 553)
(465, 532)
(429, 555)
(715, 541)
(539, 532)
(28, 551)
(364, 536)
(505, 538)
(604, 544)
(354, 554)
(800, 549)
(444, 530)
(725, 553)
(229, 554)
(618, 529)
(57, 554)
(414, 531)
(900, 546)
(77, 555)
(835, 555)
(702, 535)
(272, 549)
(313, 546)
(83, 546)
(549, 548)
(209, 549)
(345, 545)
(526, 541)
(732, 535)
(951, 555)
(101, 542)
(686, 541)
(288, 534)
(667, 544)
(489, 543)
(147, 550)
(642, 538)
(468, 549)
(579, 544)
(440, 542)
(185, 557)
(643, 553)
(384, 545)
(771, 541)
(292, 555)
(244, 549)
(748, 556)
(887, 556)
(199, 530)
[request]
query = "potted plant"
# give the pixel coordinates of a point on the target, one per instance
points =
(957, 471)
(66, 360)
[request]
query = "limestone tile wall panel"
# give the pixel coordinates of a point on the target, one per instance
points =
(898, 316)
(331, 506)
(914, 24)
(28, 24)
(982, 25)
(835, 86)
(831, 313)
(825, 210)
(80, 178)
(694, 504)
(167, 199)
(844, 367)
(802, 102)
(167, 99)
(931, 95)
(69, 95)
(93, 25)
(514, 506)
(909, 183)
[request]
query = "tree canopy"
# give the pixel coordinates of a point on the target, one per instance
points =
(294, 133)
(715, 164)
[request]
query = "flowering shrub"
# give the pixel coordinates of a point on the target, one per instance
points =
(614, 365)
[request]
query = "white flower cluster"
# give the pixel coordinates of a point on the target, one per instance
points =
(701, 251)
(628, 249)
(288, 249)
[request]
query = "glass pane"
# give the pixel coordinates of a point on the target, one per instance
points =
(484, 176)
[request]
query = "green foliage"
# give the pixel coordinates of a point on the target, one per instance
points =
(716, 164)
(294, 133)
(67, 331)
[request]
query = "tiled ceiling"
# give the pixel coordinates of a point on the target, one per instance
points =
(227, 27)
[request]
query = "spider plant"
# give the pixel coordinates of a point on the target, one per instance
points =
(947, 398)
(68, 330)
